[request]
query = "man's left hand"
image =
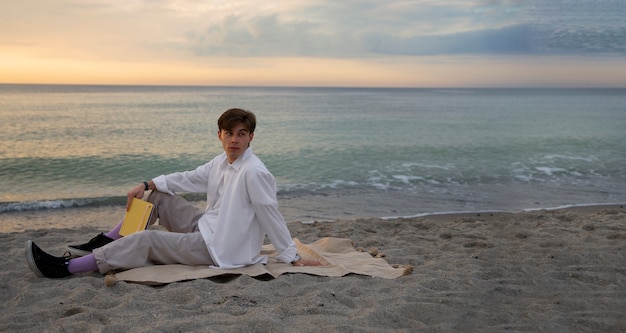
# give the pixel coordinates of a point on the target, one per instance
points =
(307, 262)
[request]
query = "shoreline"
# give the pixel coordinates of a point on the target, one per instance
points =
(105, 217)
(528, 271)
(583, 208)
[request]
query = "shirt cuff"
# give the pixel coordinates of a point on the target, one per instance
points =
(289, 254)
(161, 184)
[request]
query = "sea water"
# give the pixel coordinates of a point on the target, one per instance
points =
(335, 152)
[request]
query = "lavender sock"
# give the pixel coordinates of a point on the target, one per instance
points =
(83, 264)
(115, 233)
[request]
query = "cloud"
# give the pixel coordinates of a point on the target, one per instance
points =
(353, 29)
(366, 29)
(505, 41)
(318, 28)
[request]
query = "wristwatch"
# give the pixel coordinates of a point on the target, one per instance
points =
(296, 259)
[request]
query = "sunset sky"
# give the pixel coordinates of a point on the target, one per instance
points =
(391, 43)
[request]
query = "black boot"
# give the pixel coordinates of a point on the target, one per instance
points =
(44, 264)
(85, 249)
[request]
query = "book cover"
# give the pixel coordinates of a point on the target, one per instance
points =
(137, 217)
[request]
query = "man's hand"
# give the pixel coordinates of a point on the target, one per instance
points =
(307, 262)
(136, 192)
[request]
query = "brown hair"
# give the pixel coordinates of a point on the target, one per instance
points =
(232, 117)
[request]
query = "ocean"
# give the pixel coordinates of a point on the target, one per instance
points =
(335, 152)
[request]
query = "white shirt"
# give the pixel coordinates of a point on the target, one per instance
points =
(239, 213)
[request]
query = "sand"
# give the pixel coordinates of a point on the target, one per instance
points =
(542, 271)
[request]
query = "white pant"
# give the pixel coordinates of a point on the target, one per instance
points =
(181, 244)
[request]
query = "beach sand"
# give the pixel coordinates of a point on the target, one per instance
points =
(542, 271)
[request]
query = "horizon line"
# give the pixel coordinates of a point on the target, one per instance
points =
(304, 87)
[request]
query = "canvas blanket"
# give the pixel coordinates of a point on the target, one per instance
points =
(337, 255)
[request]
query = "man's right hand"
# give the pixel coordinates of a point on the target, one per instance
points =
(136, 192)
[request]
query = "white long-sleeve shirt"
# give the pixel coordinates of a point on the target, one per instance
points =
(241, 209)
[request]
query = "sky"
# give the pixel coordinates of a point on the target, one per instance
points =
(347, 43)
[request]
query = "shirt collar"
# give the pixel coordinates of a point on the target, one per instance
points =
(239, 161)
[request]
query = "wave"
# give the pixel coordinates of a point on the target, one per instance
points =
(23, 206)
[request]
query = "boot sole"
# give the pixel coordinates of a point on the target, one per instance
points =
(28, 248)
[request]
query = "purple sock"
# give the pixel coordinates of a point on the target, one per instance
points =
(115, 233)
(83, 264)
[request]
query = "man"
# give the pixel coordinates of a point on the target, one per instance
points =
(241, 210)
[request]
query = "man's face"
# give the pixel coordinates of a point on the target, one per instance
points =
(235, 141)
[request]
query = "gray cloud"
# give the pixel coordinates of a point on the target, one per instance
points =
(508, 40)
(370, 28)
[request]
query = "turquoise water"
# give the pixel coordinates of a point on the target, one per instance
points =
(408, 151)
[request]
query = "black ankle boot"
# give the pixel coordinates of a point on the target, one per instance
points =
(85, 249)
(44, 264)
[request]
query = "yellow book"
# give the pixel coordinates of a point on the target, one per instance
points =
(137, 217)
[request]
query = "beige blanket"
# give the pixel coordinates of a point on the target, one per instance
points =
(337, 256)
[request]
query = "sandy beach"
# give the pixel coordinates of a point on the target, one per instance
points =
(541, 271)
